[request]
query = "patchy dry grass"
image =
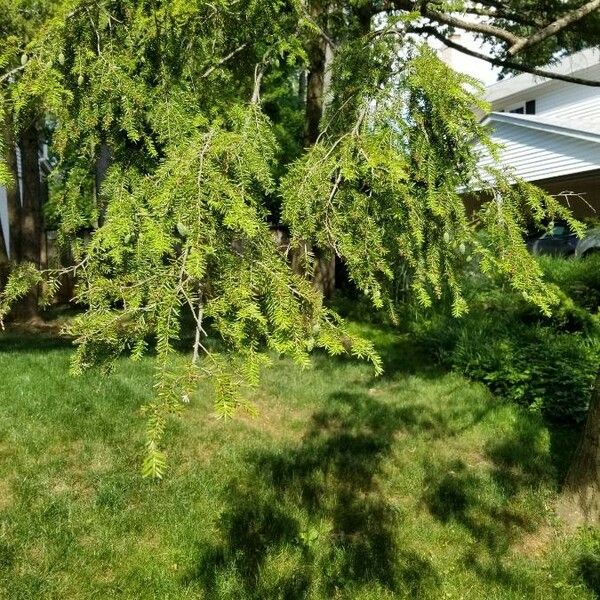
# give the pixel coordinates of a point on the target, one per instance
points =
(414, 485)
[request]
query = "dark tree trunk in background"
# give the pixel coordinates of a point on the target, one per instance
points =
(103, 162)
(580, 503)
(315, 89)
(302, 88)
(319, 54)
(316, 79)
(3, 247)
(31, 213)
(31, 218)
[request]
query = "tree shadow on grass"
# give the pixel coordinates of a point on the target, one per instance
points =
(497, 505)
(457, 494)
(13, 341)
(588, 567)
(312, 518)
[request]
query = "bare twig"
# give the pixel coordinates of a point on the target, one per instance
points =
(499, 13)
(321, 31)
(10, 73)
(199, 330)
(223, 60)
(259, 71)
(567, 195)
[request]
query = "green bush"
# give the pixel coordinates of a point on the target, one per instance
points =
(578, 278)
(545, 363)
(531, 365)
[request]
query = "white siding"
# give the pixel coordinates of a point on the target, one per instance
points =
(570, 102)
(559, 99)
(535, 155)
(3, 202)
(4, 216)
(584, 64)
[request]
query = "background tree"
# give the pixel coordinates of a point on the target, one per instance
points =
(22, 142)
(222, 119)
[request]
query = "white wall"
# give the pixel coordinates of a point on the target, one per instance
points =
(4, 217)
(469, 65)
(556, 99)
(535, 155)
(570, 102)
(3, 202)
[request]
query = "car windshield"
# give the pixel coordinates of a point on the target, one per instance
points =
(558, 231)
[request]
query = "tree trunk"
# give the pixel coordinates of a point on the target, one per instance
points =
(302, 88)
(103, 162)
(3, 248)
(31, 214)
(316, 89)
(580, 502)
(31, 222)
(324, 273)
(315, 85)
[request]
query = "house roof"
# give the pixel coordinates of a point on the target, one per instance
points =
(585, 64)
(585, 130)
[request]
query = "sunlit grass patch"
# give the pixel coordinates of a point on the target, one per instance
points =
(416, 484)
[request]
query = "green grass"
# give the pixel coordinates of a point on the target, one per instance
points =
(418, 484)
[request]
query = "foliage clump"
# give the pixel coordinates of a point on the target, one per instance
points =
(547, 364)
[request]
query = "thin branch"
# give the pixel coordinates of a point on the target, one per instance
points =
(98, 47)
(567, 195)
(517, 43)
(555, 27)
(498, 62)
(329, 208)
(475, 27)
(199, 330)
(259, 71)
(10, 73)
(321, 31)
(499, 13)
(223, 60)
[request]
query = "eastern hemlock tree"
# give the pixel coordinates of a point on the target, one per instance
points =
(223, 119)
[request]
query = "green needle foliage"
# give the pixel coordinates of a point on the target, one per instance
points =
(389, 191)
(201, 168)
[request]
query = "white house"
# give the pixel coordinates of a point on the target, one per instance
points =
(4, 212)
(550, 130)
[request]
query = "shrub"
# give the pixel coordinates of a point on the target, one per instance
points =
(545, 363)
(531, 365)
(579, 279)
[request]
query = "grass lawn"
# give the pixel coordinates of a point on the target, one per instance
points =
(417, 484)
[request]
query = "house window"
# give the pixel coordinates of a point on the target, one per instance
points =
(523, 108)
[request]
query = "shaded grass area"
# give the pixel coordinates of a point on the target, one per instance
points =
(417, 484)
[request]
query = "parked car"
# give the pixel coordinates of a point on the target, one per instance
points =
(589, 244)
(561, 240)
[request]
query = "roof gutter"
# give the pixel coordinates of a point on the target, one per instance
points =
(496, 117)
